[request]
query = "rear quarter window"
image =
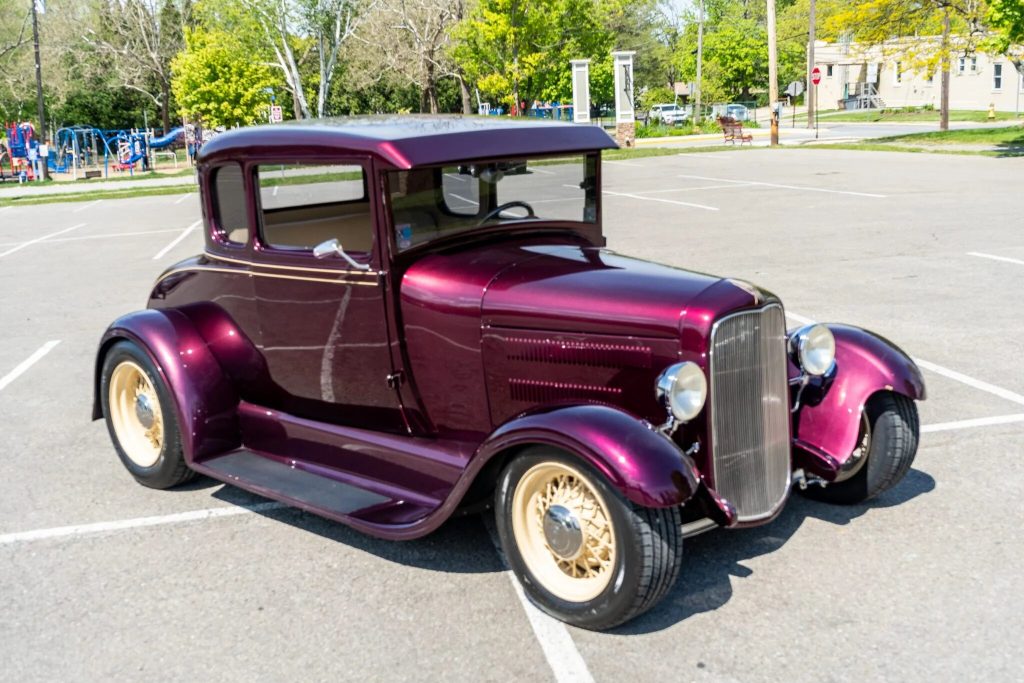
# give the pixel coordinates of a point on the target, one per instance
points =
(231, 216)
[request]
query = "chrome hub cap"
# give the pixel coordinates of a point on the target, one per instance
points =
(563, 531)
(144, 410)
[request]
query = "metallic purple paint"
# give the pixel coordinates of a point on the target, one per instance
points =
(492, 342)
(825, 428)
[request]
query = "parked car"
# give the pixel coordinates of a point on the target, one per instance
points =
(669, 114)
(737, 112)
(386, 327)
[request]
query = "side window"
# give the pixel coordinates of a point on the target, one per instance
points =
(461, 191)
(231, 221)
(303, 205)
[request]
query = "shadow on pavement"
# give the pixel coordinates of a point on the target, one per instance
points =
(460, 546)
(711, 560)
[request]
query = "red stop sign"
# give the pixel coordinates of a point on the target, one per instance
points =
(815, 75)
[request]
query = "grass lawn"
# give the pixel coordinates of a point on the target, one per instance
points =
(907, 116)
(993, 142)
(1012, 136)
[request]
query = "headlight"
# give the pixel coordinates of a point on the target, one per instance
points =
(682, 389)
(814, 349)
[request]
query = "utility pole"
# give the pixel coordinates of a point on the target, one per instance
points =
(44, 172)
(700, 60)
(773, 74)
(811, 37)
(944, 96)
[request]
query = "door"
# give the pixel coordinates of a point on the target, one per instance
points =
(323, 328)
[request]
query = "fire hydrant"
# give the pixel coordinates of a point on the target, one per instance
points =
(992, 111)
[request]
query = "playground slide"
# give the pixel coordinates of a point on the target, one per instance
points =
(160, 143)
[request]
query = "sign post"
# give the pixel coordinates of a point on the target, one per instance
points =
(815, 80)
(580, 90)
(794, 90)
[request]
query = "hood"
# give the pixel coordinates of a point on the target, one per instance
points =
(585, 289)
(572, 288)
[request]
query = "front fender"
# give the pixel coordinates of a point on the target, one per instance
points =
(645, 466)
(205, 401)
(826, 426)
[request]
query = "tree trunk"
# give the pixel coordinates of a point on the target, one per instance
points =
(944, 97)
(467, 97)
(165, 107)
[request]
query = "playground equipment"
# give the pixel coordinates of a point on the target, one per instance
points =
(85, 148)
(21, 150)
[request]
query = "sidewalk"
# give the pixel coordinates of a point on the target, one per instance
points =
(12, 190)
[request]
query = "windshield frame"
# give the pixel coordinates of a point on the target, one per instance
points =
(590, 231)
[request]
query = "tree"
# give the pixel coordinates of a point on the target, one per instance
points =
(214, 81)
(411, 39)
(140, 38)
(321, 26)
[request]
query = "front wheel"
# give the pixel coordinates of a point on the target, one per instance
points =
(583, 553)
(141, 418)
(890, 429)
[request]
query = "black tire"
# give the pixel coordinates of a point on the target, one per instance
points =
(645, 569)
(895, 431)
(170, 468)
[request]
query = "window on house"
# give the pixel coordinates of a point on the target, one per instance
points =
(997, 76)
(962, 65)
(974, 64)
(899, 72)
(828, 70)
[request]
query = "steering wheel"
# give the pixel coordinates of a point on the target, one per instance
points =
(496, 211)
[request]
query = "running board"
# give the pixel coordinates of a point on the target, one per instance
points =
(274, 479)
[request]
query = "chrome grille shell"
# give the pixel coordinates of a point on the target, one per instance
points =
(749, 411)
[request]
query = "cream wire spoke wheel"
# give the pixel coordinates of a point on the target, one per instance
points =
(564, 531)
(136, 414)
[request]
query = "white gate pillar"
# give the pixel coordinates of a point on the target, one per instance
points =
(625, 111)
(580, 90)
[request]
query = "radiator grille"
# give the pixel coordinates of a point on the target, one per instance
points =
(750, 411)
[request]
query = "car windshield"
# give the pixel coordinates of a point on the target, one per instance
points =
(437, 201)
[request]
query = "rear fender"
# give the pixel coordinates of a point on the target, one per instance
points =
(642, 464)
(826, 427)
(205, 401)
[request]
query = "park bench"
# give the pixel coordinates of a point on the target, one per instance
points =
(733, 131)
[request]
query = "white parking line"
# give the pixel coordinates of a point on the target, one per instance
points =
(174, 242)
(688, 189)
(553, 637)
(785, 187)
(663, 201)
(105, 235)
(977, 422)
(183, 197)
(86, 206)
(542, 171)
(945, 372)
(24, 365)
(623, 163)
(971, 382)
(1006, 259)
(40, 239)
(120, 525)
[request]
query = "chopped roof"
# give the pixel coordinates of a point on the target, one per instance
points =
(407, 141)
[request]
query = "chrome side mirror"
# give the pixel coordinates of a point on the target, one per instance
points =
(333, 247)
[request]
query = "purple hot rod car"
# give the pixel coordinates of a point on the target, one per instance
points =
(397, 319)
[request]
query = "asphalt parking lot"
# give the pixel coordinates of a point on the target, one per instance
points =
(102, 579)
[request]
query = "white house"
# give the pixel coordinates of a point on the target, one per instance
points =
(854, 76)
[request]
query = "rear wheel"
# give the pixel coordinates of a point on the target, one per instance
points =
(141, 419)
(582, 552)
(887, 444)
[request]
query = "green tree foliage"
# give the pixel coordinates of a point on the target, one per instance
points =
(1006, 18)
(518, 50)
(217, 83)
